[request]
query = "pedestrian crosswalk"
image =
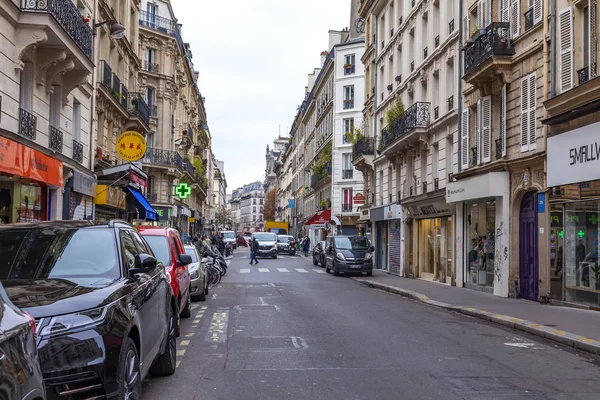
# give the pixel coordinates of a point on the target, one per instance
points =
(282, 270)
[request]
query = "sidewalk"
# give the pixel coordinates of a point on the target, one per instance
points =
(571, 326)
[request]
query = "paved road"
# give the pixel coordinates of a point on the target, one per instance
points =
(285, 330)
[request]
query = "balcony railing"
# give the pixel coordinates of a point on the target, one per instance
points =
(348, 104)
(473, 156)
(417, 115)
(346, 207)
(151, 66)
(498, 148)
(155, 22)
(68, 17)
(27, 124)
(112, 84)
(495, 41)
(318, 178)
(56, 140)
(363, 146)
(189, 168)
(583, 74)
(398, 79)
(166, 158)
(390, 87)
(77, 151)
(450, 27)
(436, 41)
(347, 174)
(136, 105)
(450, 103)
(529, 19)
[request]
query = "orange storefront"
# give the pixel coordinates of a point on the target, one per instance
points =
(26, 177)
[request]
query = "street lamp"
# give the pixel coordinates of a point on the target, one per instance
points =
(117, 31)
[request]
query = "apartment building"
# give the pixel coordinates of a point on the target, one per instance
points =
(220, 184)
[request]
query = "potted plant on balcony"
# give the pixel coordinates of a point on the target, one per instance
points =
(379, 148)
(323, 204)
(348, 66)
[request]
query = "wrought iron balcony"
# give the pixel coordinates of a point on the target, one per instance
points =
(112, 84)
(436, 41)
(450, 103)
(498, 148)
(56, 139)
(390, 87)
(189, 168)
(347, 208)
(136, 106)
(417, 115)
(583, 74)
(347, 174)
(68, 17)
(27, 124)
(494, 41)
(529, 19)
(165, 158)
(399, 79)
(155, 22)
(152, 197)
(77, 151)
(436, 112)
(473, 156)
(450, 27)
(363, 146)
(317, 179)
(151, 66)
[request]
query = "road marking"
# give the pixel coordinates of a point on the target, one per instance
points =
(196, 321)
(283, 270)
(194, 306)
(204, 307)
(245, 271)
(301, 270)
(217, 332)
(263, 270)
(181, 352)
(190, 334)
(184, 343)
(318, 270)
(177, 364)
(194, 326)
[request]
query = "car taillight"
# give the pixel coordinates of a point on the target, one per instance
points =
(31, 322)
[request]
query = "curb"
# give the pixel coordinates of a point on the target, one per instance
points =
(566, 338)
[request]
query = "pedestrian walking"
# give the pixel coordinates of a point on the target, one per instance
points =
(306, 246)
(253, 250)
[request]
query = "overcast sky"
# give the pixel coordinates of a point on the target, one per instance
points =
(254, 57)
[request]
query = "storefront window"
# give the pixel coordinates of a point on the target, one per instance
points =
(481, 225)
(557, 240)
(31, 206)
(581, 247)
(435, 249)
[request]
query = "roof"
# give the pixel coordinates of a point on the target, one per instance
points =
(147, 230)
(65, 224)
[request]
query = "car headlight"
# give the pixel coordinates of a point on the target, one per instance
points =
(341, 256)
(75, 322)
(195, 274)
(368, 256)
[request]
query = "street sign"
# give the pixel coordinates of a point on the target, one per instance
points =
(183, 190)
(131, 146)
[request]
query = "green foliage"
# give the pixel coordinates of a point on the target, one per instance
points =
(394, 112)
(323, 204)
(354, 136)
(319, 169)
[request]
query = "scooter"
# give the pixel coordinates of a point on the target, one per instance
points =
(292, 248)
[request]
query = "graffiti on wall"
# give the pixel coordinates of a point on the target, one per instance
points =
(501, 253)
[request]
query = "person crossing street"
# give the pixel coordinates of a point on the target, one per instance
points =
(253, 250)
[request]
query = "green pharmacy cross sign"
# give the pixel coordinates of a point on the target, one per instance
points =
(183, 190)
(581, 233)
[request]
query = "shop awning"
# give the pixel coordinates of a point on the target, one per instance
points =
(319, 219)
(143, 206)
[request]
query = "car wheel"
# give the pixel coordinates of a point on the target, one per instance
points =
(187, 311)
(206, 290)
(129, 377)
(202, 296)
(165, 363)
(370, 273)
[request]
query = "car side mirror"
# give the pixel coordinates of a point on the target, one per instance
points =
(184, 259)
(144, 263)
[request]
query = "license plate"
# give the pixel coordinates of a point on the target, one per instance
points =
(356, 266)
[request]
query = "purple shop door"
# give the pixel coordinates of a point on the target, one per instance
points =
(528, 251)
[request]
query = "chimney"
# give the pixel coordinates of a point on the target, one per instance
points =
(323, 58)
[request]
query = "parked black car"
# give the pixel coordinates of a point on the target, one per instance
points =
(318, 253)
(103, 305)
(286, 244)
(20, 374)
(349, 254)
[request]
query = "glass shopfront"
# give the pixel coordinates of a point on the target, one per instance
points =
(480, 238)
(435, 249)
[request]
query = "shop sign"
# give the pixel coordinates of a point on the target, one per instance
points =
(131, 146)
(431, 210)
(110, 196)
(574, 156)
(556, 219)
(359, 198)
(393, 211)
(24, 161)
(163, 212)
(191, 220)
(183, 190)
(84, 184)
(136, 179)
(185, 211)
(492, 184)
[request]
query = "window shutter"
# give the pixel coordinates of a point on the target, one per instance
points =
(524, 114)
(479, 22)
(486, 129)
(488, 13)
(532, 110)
(464, 140)
(504, 10)
(593, 46)
(26, 87)
(466, 30)
(515, 18)
(565, 24)
(478, 131)
(537, 11)
(503, 120)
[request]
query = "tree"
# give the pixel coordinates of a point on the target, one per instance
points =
(223, 216)
(270, 208)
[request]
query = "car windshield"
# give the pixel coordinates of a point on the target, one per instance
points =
(53, 253)
(160, 248)
(191, 251)
(265, 237)
(351, 243)
(228, 235)
(285, 238)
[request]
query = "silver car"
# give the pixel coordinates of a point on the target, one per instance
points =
(199, 281)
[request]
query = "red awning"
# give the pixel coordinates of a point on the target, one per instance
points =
(320, 219)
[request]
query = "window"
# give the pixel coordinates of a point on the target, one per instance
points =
(348, 128)
(150, 96)
(349, 64)
(464, 140)
(160, 248)
(565, 29)
(152, 10)
(150, 137)
(483, 129)
(139, 242)
(76, 121)
(129, 250)
(348, 97)
(347, 168)
(528, 108)
(515, 17)
(151, 60)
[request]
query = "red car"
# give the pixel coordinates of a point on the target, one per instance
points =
(167, 246)
(241, 242)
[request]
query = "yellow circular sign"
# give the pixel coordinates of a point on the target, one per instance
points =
(131, 146)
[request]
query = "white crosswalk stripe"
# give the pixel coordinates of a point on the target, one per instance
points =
(283, 270)
(318, 271)
(301, 270)
(244, 270)
(263, 270)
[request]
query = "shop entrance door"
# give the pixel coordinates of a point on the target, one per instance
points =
(528, 252)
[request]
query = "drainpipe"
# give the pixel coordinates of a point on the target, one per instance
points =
(375, 117)
(459, 95)
(552, 66)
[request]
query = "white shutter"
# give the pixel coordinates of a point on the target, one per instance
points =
(503, 120)
(515, 18)
(504, 10)
(486, 129)
(537, 11)
(466, 32)
(488, 13)
(532, 110)
(565, 25)
(479, 22)
(478, 131)
(464, 140)
(593, 41)
(524, 114)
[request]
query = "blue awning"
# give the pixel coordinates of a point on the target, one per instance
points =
(143, 206)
